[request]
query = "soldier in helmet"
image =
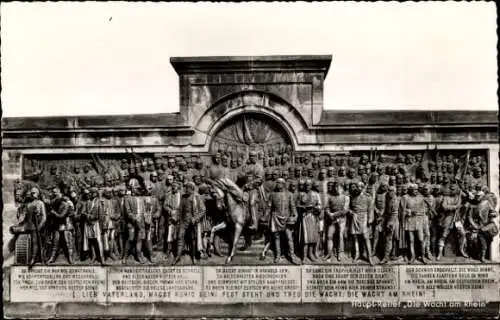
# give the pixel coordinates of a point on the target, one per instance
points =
(143, 171)
(53, 178)
(450, 219)
(271, 182)
(285, 162)
(284, 175)
(78, 179)
(150, 167)
(351, 176)
(341, 178)
(361, 171)
(297, 174)
(306, 161)
(171, 163)
(363, 159)
(124, 173)
(331, 160)
(340, 161)
(360, 211)
(265, 162)
(132, 174)
(330, 173)
(392, 181)
(310, 173)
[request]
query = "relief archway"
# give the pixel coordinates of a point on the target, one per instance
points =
(267, 105)
(250, 132)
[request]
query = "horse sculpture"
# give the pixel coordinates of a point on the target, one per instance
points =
(235, 211)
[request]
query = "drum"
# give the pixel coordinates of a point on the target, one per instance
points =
(23, 249)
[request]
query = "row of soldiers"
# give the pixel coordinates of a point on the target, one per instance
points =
(112, 223)
(406, 216)
(441, 169)
(99, 217)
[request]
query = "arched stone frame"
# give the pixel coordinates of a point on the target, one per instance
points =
(273, 121)
(256, 102)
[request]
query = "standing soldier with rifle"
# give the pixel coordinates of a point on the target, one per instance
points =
(450, 219)
(429, 229)
(391, 225)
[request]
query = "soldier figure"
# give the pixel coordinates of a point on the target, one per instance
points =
(320, 218)
(111, 216)
(252, 169)
(481, 221)
(379, 215)
(88, 175)
(310, 208)
(337, 206)
(269, 184)
(415, 212)
(450, 219)
(136, 229)
(429, 228)
(92, 239)
(167, 224)
(32, 220)
(361, 209)
(392, 224)
(283, 215)
(191, 210)
(62, 215)
(204, 226)
(152, 210)
(256, 200)
(79, 222)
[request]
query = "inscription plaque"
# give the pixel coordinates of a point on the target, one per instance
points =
(251, 284)
(58, 284)
(348, 283)
(464, 283)
(154, 284)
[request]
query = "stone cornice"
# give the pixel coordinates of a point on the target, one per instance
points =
(331, 120)
(230, 64)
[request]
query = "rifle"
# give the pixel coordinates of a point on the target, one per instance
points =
(433, 212)
(467, 159)
(39, 239)
(39, 236)
(156, 230)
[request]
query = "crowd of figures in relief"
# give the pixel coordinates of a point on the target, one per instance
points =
(303, 208)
